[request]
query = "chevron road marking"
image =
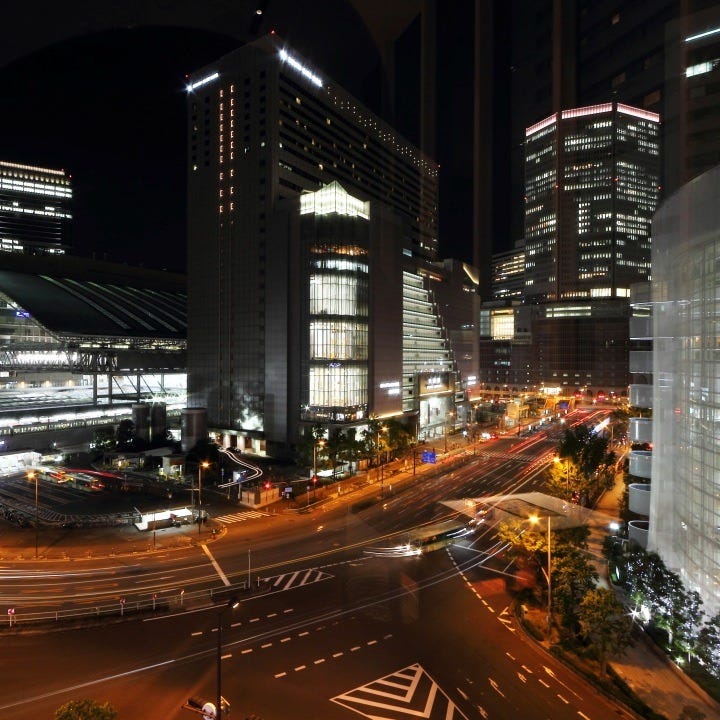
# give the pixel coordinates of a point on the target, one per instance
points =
(407, 692)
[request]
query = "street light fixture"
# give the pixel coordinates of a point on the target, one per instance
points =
(32, 475)
(381, 467)
(316, 445)
(231, 605)
(204, 465)
(451, 414)
(556, 460)
(534, 519)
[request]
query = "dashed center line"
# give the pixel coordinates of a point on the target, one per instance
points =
(337, 654)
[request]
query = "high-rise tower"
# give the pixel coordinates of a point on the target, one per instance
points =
(265, 127)
(34, 209)
(592, 178)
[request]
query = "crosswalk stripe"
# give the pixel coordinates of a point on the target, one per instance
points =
(239, 517)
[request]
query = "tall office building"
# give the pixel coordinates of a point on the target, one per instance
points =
(35, 210)
(692, 68)
(684, 509)
(295, 282)
(592, 177)
(592, 182)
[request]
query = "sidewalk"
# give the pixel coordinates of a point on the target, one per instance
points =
(644, 667)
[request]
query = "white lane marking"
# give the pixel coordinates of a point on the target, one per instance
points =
(195, 634)
(495, 687)
(282, 674)
(317, 662)
(542, 682)
(300, 667)
(567, 702)
(266, 645)
(214, 562)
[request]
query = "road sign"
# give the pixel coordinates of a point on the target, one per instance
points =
(428, 456)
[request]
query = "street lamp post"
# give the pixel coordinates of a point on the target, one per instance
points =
(231, 605)
(381, 468)
(534, 519)
(450, 413)
(202, 466)
(316, 444)
(32, 475)
(556, 459)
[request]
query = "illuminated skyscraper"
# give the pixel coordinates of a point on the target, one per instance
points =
(34, 209)
(303, 210)
(592, 178)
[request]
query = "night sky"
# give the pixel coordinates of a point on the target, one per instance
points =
(109, 108)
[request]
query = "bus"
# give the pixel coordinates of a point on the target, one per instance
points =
(87, 483)
(438, 535)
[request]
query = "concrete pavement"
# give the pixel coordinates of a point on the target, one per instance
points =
(652, 676)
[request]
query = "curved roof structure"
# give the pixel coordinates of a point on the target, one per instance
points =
(76, 299)
(69, 307)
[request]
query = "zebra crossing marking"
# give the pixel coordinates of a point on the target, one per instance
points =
(240, 516)
(278, 583)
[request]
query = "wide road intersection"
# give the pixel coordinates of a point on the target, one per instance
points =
(335, 631)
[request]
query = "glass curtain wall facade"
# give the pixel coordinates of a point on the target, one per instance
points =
(685, 497)
(334, 231)
(34, 209)
(592, 178)
(428, 367)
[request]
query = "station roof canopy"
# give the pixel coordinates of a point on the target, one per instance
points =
(74, 298)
